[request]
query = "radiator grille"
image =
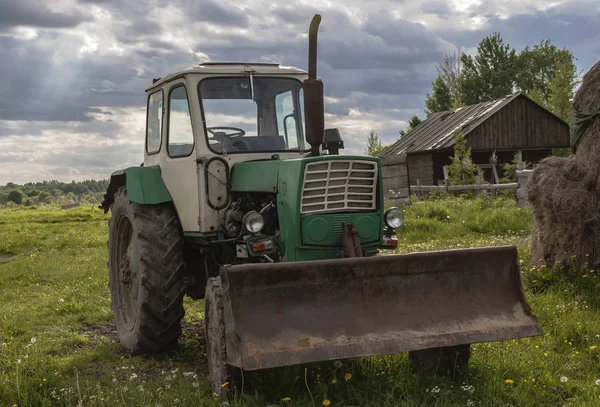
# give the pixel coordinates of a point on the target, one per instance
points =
(334, 186)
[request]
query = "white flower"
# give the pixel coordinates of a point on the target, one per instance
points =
(598, 382)
(175, 370)
(61, 300)
(114, 379)
(33, 340)
(470, 403)
(468, 388)
(435, 390)
(338, 364)
(18, 360)
(141, 388)
(195, 384)
(564, 379)
(133, 376)
(3, 343)
(188, 374)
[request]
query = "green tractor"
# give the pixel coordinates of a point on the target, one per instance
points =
(243, 200)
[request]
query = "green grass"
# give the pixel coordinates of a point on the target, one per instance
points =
(58, 347)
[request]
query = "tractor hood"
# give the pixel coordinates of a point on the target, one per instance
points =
(314, 197)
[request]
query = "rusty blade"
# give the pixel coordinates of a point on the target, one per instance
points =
(282, 314)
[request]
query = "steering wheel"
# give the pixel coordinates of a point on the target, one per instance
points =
(237, 132)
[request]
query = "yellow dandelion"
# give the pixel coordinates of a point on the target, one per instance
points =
(286, 399)
(508, 381)
(577, 353)
(334, 381)
(593, 347)
(348, 376)
(545, 354)
(326, 402)
(225, 384)
(43, 380)
(532, 379)
(536, 346)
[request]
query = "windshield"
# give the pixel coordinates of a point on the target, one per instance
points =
(244, 114)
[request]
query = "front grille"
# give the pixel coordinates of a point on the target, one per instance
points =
(336, 186)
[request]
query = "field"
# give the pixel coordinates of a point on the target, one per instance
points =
(58, 347)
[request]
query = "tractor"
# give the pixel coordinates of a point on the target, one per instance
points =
(244, 200)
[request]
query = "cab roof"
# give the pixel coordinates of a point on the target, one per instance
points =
(231, 68)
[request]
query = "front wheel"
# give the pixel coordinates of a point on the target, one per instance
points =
(224, 379)
(146, 281)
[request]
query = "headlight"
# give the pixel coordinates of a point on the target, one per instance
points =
(253, 222)
(394, 218)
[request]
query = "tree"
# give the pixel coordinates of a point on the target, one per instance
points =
(538, 66)
(560, 90)
(450, 70)
(374, 146)
(491, 73)
(440, 99)
(44, 197)
(462, 170)
(413, 122)
(16, 196)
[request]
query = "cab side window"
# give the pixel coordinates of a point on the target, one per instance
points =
(181, 136)
(154, 122)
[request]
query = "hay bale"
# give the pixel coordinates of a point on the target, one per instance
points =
(564, 193)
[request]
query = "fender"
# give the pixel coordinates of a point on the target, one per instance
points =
(144, 186)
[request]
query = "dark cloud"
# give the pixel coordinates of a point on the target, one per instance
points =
(219, 14)
(33, 14)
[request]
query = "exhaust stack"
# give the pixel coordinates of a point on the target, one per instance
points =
(313, 93)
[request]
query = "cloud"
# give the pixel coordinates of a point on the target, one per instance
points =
(35, 14)
(72, 98)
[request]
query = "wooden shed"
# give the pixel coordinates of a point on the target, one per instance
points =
(500, 128)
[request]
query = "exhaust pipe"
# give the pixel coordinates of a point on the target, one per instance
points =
(313, 93)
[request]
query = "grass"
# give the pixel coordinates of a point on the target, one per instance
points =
(58, 346)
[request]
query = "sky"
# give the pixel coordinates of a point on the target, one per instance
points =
(74, 72)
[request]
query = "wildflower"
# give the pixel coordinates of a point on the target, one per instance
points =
(286, 399)
(435, 390)
(225, 384)
(508, 381)
(564, 379)
(545, 354)
(61, 300)
(326, 402)
(141, 388)
(195, 384)
(18, 361)
(470, 403)
(597, 382)
(593, 347)
(133, 376)
(334, 381)
(337, 364)
(33, 340)
(188, 374)
(348, 376)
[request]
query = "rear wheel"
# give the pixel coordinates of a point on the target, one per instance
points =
(224, 379)
(145, 262)
(449, 360)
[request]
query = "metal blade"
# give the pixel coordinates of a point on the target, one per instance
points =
(290, 313)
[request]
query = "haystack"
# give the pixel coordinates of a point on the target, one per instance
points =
(564, 192)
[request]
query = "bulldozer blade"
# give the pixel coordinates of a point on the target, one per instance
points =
(282, 314)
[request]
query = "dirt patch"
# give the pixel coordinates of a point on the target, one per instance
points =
(5, 257)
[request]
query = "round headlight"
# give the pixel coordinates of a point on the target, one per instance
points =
(394, 218)
(253, 222)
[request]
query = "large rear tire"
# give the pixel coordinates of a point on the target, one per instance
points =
(449, 360)
(224, 379)
(146, 281)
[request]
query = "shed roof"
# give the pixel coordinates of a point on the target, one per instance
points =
(438, 130)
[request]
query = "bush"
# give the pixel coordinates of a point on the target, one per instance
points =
(16, 196)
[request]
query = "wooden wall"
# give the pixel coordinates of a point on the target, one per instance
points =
(521, 124)
(395, 178)
(420, 167)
